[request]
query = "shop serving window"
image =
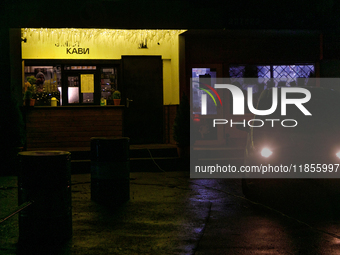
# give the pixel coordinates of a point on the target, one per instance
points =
(44, 82)
(71, 84)
(79, 84)
(89, 84)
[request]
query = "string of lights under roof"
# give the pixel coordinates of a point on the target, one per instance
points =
(60, 35)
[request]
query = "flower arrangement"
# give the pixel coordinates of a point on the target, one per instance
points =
(32, 80)
(29, 89)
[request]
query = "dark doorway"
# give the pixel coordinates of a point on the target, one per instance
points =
(143, 97)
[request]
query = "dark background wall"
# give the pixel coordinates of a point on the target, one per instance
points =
(189, 14)
(303, 14)
(252, 46)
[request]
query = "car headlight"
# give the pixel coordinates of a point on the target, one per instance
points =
(338, 154)
(266, 152)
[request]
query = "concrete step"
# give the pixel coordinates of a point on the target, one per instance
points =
(170, 164)
(136, 151)
(153, 152)
(158, 157)
(143, 158)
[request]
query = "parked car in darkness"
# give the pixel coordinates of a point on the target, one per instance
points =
(298, 145)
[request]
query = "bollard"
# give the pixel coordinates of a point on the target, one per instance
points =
(45, 178)
(110, 170)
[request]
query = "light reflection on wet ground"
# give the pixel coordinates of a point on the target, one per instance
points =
(169, 213)
(293, 217)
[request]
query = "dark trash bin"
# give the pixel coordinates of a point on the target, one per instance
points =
(45, 178)
(110, 170)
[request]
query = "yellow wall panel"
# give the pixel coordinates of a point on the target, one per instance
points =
(108, 44)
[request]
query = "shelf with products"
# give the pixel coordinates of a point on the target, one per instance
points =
(108, 82)
(44, 98)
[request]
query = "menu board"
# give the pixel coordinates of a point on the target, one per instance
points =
(87, 83)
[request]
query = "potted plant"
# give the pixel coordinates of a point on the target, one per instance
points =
(116, 97)
(32, 80)
(181, 128)
(28, 100)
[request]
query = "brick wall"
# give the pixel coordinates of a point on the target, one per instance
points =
(60, 127)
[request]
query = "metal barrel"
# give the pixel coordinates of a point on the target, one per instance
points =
(45, 178)
(110, 170)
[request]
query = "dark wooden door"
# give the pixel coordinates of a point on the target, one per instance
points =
(142, 93)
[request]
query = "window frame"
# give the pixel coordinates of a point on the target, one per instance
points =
(115, 63)
(271, 66)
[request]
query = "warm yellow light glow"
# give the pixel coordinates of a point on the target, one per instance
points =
(108, 44)
(266, 152)
(81, 35)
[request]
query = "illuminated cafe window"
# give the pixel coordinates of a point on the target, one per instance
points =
(51, 86)
(72, 84)
(80, 85)
(201, 76)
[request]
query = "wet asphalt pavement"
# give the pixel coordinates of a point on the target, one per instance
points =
(169, 213)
